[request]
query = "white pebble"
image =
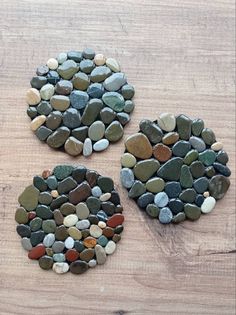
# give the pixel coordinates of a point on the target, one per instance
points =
(52, 64)
(62, 57)
(206, 194)
(101, 145)
(92, 263)
(102, 224)
(217, 146)
(110, 247)
(99, 60)
(88, 147)
(37, 122)
(47, 91)
(70, 220)
(166, 121)
(83, 224)
(60, 267)
(69, 242)
(161, 199)
(95, 231)
(113, 64)
(49, 239)
(208, 205)
(105, 197)
(96, 191)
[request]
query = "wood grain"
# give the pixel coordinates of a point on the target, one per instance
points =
(179, 54)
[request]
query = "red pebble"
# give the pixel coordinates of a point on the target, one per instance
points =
(115, 220)
(31, 215)
(72, 255)
(37, 252)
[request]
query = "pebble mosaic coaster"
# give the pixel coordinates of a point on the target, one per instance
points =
(79, 102)
(174, 168)
(69, 219)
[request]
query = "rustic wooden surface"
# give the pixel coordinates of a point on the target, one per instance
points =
(179, 54)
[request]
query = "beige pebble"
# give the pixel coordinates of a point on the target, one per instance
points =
(99, 60)
(60, 267)
(82, 210)
(102, 224)
(75, 233)
(113, 64)
(166, 121)
(217, 146)
(33, 97)
(105, 197)
(95, 231)
(206, 194)
(52, 64)
(70, 220)
(37, 122)
(128, 160)
(73, 146)
(110, 247)
(208, 205)
(54, 193)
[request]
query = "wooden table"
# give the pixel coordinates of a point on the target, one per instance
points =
(179, 56)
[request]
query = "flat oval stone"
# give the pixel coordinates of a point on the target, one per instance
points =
(123, 118)
(53, 120)
(44, 212)
(60, 102)
(32, 112)
(38, 81)
(100, 254)
(155, 184)
(96, 90)
(49, 226)
(101, 145)
(88, 53)
(37, 252)
(126, 177)
(151, 130)
(43, 132)
(26, 244)
(78, 267)
(165, 215)
(161, 152)
(35, 224)
(127, 91)
(46, 262)
(21, 216)
(96, 130)
(70, 220)
(188, 195)
(74, 55)
(166, 122)
(58, 137)
(100, 74)
(58, 246)
(186, 179)
(115, 82)
(107, 115)
(69, 242)
(145, 199)
(99, 59)
(83, 224)
(91, 111)
(86, 65)
(67, 69)
(222, 169)
(114, 131)
(48, 240)
(89, 242)
(71, 255)
(201, 185)
(114, 100)
(181, 148)
(176, 206)
(115, 220)
(95, 231)
(44, 108)
(173, 189)
(139, 145)
(199, 200)
(80, 81)
(170, 138)
(80, 193)
(128, 160)
(197, 143)
(110, 247)
(60, 257)
(197, 126)
(190, 157)
(129, 106)
(218, 186)
(192, 212)
(207, 157)
(61, 233)
(62, 171)
(60, 267)
(75, 233)
(71, 118)
(208, 205)
(171, 169)
(47, 91)
(184, 125)
(152, 210)
(222, 157)
(79, 99)
(197, 169)
(28, 199)
(33, 97)
(137, 189)
(73, 146)
(23, 230)
(37, 122)
(63, 87)
(179, 217)
(161, 199)
(53, 77)
(143, 170)
(217, 146)
(208, 136)
(42, 70)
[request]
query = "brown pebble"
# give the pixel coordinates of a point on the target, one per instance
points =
(58, 217)
(90, 242)
(170, 138)
(161, 152)
(46, 174)
(108, 232)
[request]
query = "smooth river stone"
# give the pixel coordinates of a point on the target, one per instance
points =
(129, 106)
(110, 247)
(38, 81)
(222, 157)
(60, 267)
(58, 137)
(192, 212)
(188, 195)
(137, 189)
(179, 217)
(96, 90)
(62, 171)
(218, 186)
(113, 64)
(152, 210)
(184, 125)
(155, 184)
(54, 120)
(71, 118)
(88, 53)
(80, 133)
(63, 87)
(161, 199)
(128, 160)
(161, 152)
(75, 55)
(29, 198)
(114, 100)
(123, 118)
(37, 122)
(171, 169)
(197, 143)
(165, 215)
(87, 147)
(208, 205)
(79, 99)
(73, 146)
(222, 169)
(151, 130)
(207, 157)
(190, 157)
(86, 66)
(201, 185)
(80, 193)
(181, 148)
(26, 244)
(197, 126)
(21, 215)
(173, 189)
(170, 138)
(44, 108)
(143, 170)
(47, 91)
(60, 102)
(186, 179)
(80, 81)
(33, 97)
(100, 254)
(43, 132)
(208, 136)
(139, 145)
(115, 82)
(114, 131)
(127, 91)
(107, 115)
(101, 145)
(100, 74)
(217, 146)
(126, 177)
(91, 111)
(96, 130)
(176, 206)
(67, 69)
(197, 169)
(166, 122)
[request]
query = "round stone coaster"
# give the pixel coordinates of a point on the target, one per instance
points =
(69, 219)
(174, 168)
(79, 102)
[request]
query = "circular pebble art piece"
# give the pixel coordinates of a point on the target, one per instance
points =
(69, 219)
(174, 168)
(79, 102)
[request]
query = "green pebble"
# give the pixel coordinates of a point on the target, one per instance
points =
(190, 157)
(43, 133)
(46, 262)
(186, 179)
(59, 257)
(155, 184)
(52, 182)
(45, 198)
(129, 106)
(29, 198)
(192, 212)
(67, 69)
(62, 171)
(207, 157)
(179, 217)
(114, 131)
(102, 240)
(91, 111)
(105, 183)
(21, 216)
(197, 126)
(143, 170)
(184, 124)
(127, 91)
(36, 224)
(208, 136)
(49, 226)
(137, 189)
(114, 100)
(152, 210)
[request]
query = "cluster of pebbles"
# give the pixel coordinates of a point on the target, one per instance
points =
(79, 102)
(174, 168)
(69, 219)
